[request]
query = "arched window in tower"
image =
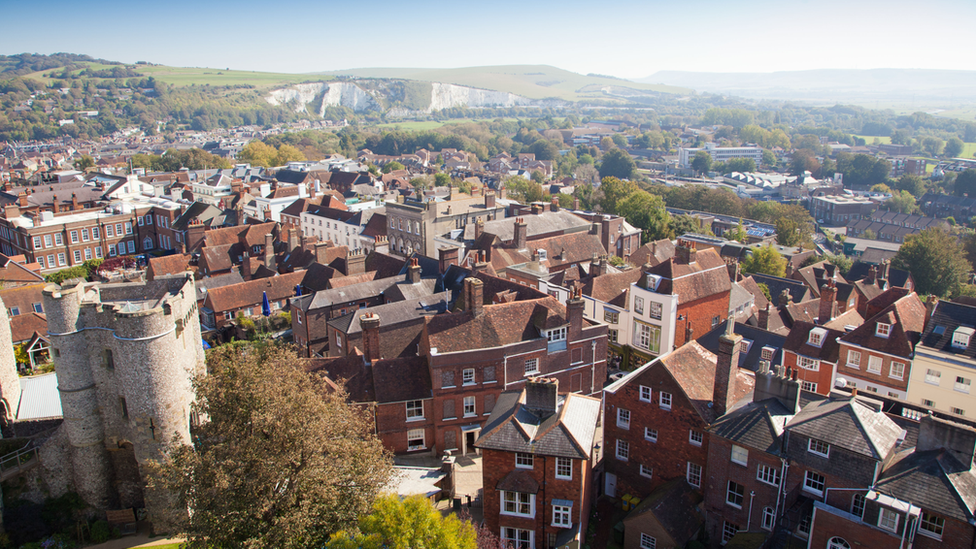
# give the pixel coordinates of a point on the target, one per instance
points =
(107, 359)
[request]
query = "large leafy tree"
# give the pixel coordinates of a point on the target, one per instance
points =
(617, 163)
(614, 191)
(646, 211)
(765, 260)
(282, 462)
(701, 162)
(936, 260)
(410, 522)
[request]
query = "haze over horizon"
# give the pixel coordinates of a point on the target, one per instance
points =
(628, 39)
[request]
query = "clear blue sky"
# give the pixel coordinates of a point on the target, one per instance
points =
(630, 39)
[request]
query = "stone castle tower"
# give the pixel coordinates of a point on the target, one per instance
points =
(9, 381)
(125, 355)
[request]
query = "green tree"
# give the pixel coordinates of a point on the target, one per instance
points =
(737, 233)
(768, 158)
(965, 184)
(617, 163)
(841, 261)
(545, 150)
(288, 153)
(685, 224)
(741, 165)
(869, 235)
(765, 260)
(281, 462)
(788, 232)
(881, 188)
(646, 211)
(619, 140)
(953, 147)
(936, 260)
(392, 166)
(614, 191)
(257, 153)
(442, 180)
(765, 290)
(84, 163)
(409, 522)
(932, 145)
(702, 162)
(902, 202)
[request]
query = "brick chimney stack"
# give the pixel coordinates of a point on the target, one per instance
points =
(576, 204)
(764, 317)
(474, 295)
(447, 257)
(595, 266)
(269, 256)
(872, 275)
(479, 228)
(555, 205)
(541, 396)
(685, 253)
(489, 199)
(370, 323)
(413, 271)
(521, 233)
(480, 263)
(723, 394)
(355, 262)
(574, 314)
(828, 300)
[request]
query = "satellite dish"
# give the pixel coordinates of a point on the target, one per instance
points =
(840, 383)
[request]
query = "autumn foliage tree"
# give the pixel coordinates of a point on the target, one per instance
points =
(281, 462)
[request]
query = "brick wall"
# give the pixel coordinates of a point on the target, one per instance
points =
(669, 456)
(496, 465)
(700, 314)
(882, 379)
(720, 471)
(824, 377)
(392, 426)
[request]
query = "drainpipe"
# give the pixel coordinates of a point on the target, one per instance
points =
(592, 365)
(782, 490)
(752, 496)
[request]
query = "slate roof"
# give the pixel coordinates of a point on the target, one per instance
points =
(498, 324)
(327, 298)
(561, 250)
(206, 284)
(393, 313)
(539, 224)
(799, 342)
(675, 505)
(848, 423)
(758, 425)
(385, 265)
(704, 277)
(758, 337)
(798, 291)
(198, 211)
(400, 379)
(942, 325)
(907, 319)
(569, 432)
(934, 480)
(896, 277)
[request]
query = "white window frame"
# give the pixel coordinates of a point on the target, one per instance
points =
(810, 483)
(808, 363)
(664, 400)
(622, 450)
(739, 455)
(885, 516)
(962, 386)
(562, 516)
(416, 434)
(882, 330)
(933, 377)
(531, 366)
(646, 394)
(564, 468)
(519, 500)
(467, 376)
(930, 525)
(413, 412)
(647, 541)
(692, 472)
(731, 494)
(901, 370)
(695, 438)
(875, 364)
(650, 435)
(818, 447)
(623, 418)
(729, 530)
(524, 461)
(857, 505)
(854, 359)
(767, 475)
(646, 471)
(470, 404)
(768, 519)
(518, 541)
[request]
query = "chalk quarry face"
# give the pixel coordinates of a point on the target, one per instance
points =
(355, 97)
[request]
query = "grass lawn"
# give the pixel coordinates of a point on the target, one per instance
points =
(869, 139)
(968, 150)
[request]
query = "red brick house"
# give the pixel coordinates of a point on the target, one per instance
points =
(812, 351)
(657, 416)
(538, 455)
(877, 356)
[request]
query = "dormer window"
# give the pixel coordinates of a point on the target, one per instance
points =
(557, 339)
(882, 330)
(961, 337)
(817, 336)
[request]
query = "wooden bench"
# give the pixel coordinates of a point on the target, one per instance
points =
(123, 519)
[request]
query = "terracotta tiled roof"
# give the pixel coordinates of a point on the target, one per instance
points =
(693, 368)
(906, 318)
(704, 277)
(752, 287)
(653, 253)
(376, 226)
(611, 288)
(169, 264)
(799, 342)
(497, 325)
(23, 298)
(13, 271)
(349, 370)
(400, 379)
(342, 281)
(250, 293)
(24, 326)
(384, 265)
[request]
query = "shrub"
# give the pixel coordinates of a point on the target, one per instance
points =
(100, 531)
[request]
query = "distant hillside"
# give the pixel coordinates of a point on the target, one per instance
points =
(852, 86)
(529, 81)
